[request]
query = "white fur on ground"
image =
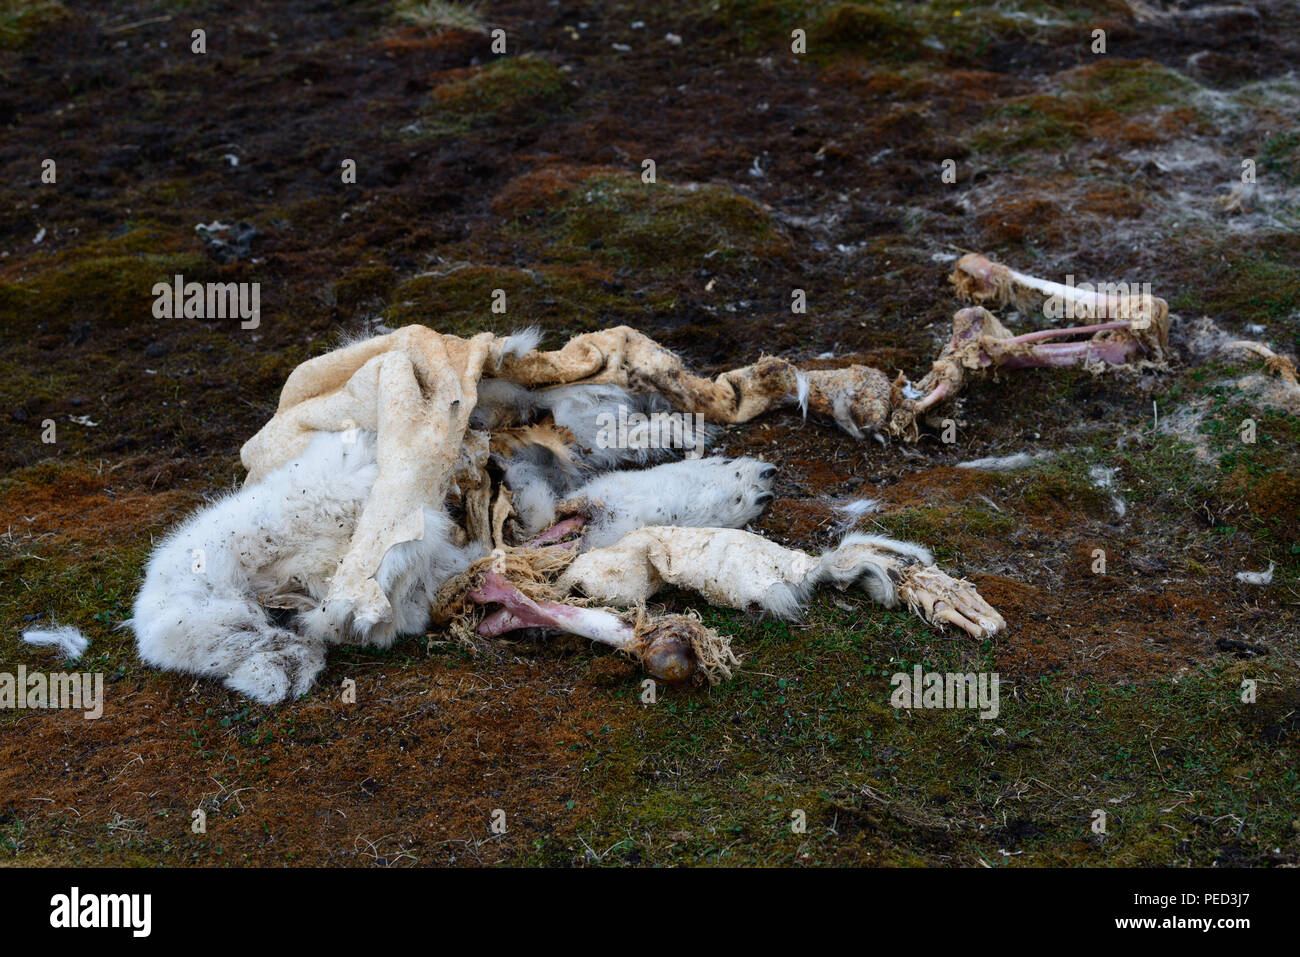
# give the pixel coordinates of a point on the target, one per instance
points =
(737, 569)
(70, 642)
(1005, 463)
(1257, 578)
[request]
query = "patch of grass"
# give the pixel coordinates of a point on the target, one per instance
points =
(875, 30)
(364, 284)
(807, 733)
(106, 283)
(561, 299)
(900, 30)
(1127, 86)
(1280, 155)
(1257, 283)
(440, 15)
(947, 529)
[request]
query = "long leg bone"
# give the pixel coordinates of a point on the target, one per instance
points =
(669, 646)
(981, 280)
(1274, 363)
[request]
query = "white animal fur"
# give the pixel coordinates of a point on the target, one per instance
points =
(70, 642)
(281, 539)
(198, 611)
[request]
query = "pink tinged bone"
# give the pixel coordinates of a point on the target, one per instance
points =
(941, 392)
(558, 531)
(1061, 354)
(1076, 331)
(520, 611)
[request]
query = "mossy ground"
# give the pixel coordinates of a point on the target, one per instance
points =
(476, 172)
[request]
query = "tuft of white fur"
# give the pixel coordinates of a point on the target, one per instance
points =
(868, 561)
(70, 642)
(802, 389)
(1104, 479)
(1257, 578)
(520, 343)
(854, 509)
(846, 565)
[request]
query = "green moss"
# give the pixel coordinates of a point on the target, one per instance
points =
(107, 282)
(1113, 98)
(714, 777)
(616, 219)
(497, 91)
(1280, 155)
(1127, 86)
(947, 529)
(1028, 125)
(875, 30)
(899, 30)
(559, 299)
(364, 284)
(764, 23)
(22, 20)
(1259, 283)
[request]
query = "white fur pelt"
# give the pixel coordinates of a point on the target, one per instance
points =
(700, 493)
(200, 610)
(203, 608)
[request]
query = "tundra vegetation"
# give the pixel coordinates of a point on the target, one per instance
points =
(522, 171)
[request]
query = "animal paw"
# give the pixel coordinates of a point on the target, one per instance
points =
(943, 600)
(271, 676)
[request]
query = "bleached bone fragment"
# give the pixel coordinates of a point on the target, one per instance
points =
(1282, 366)
(1137, 330)
(981, 280)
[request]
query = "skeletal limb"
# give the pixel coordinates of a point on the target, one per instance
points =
(1137, 329)
(980, 280)
(856, 397)
(738, 569)
(666, 645)
(1274, 363)
(727, 567)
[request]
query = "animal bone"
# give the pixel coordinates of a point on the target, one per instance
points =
(345, 514)
(1138, 329)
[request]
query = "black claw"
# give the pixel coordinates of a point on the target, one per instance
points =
(765, 498)
(767, 472)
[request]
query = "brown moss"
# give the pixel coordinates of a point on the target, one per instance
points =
(1272, 497)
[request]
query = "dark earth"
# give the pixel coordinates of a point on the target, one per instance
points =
(775, 171)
